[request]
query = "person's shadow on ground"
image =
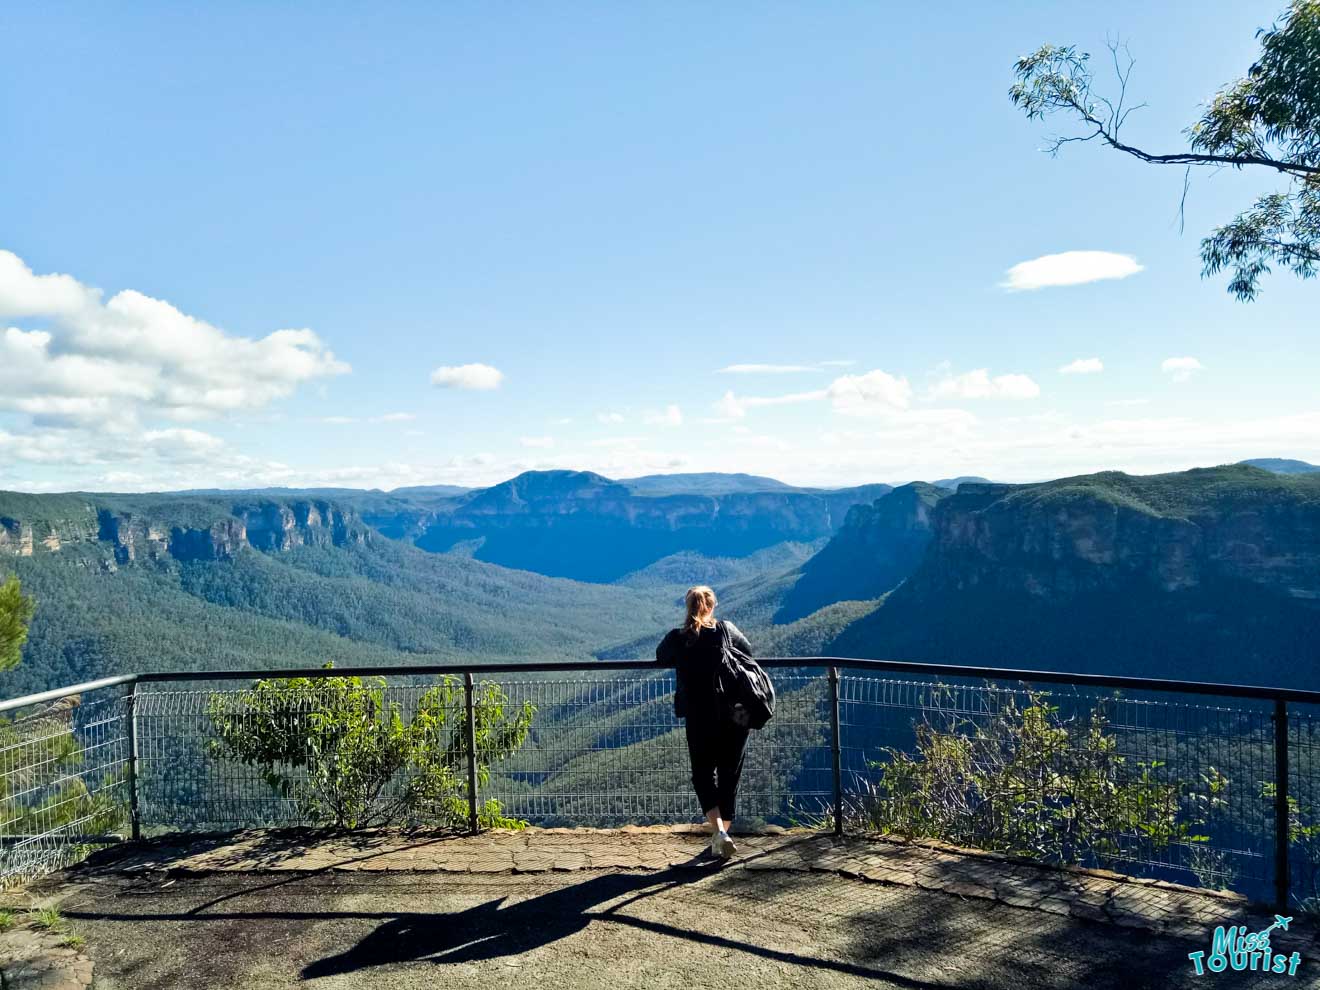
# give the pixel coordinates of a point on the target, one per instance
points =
(489, 931)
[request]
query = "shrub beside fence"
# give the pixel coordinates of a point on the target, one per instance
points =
(1156, 778)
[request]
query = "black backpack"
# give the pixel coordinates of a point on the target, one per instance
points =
(745, 693)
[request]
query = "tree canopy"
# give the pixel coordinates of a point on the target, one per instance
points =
(1268, 119)
(15, 614)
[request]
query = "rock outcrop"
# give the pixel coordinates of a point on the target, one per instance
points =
(1211, 574)
(124, 530)
(32, 524)
(1109, 531)
(878, 547)
(283, 526)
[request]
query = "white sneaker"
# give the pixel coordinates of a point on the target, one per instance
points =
(722, 846)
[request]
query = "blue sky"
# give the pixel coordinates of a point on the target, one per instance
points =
(611, 205)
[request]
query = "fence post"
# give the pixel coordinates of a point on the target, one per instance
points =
(1282, 829)
(835, 751)
(134, 815)
(470, 734)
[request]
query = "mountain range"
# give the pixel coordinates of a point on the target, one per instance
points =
(1283, 465)
(581, 525)
(200, 582)
(1206, 573)
(1210, 574)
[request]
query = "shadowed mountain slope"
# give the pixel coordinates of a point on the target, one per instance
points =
(878, 547)
(1205, 574)
(1283, 465)
(581, 525)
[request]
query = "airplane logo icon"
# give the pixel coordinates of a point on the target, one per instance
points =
(1279, 922)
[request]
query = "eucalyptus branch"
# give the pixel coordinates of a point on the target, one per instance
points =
(1268, 119)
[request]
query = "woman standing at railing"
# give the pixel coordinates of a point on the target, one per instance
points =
(715, 742)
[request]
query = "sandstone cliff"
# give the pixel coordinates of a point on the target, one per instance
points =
(1167, 532)
(878, 547)
(120, 530)
(1209, 574)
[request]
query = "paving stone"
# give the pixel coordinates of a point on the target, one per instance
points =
(532, 862)
(570, 859)
(35, 960)
(965, 889)
(1018, 899)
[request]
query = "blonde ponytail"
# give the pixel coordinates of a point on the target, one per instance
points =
(700, 610)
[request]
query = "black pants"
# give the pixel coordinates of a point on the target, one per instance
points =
(716, 746)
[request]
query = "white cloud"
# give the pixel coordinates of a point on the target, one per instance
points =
(1181, 369)
(542, 443)
(875, 390)
(95, 377)
(734, 407)
(1069, 268)
(849, 394)
(609, 418)
(23, 293)
(672, 416)
(108, 364)
(183, 444)
(1083, 366)
(397, 417)
(979, 385)
(471, 377)
(900, 444)
(42, 447)
(729, 407)
(1128, 402)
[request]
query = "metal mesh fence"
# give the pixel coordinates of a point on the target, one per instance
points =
(600, 751)
(199, 766)
(1304, 805)
(63, 782)
(1168, 788)
(609, 751)
(1164, 785)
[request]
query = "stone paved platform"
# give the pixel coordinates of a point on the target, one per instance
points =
(1091, 895)
(639, 908)
(38, 960)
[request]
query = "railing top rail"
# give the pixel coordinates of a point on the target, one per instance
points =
(930, 670)
(57, 693)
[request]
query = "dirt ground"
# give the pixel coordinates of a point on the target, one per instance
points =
(678, 927)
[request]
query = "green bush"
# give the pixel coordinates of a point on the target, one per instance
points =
(351, 759)
(15, 615)
(1029, 782)
(1304, 836)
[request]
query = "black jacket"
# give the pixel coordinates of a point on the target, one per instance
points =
(695, 660)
